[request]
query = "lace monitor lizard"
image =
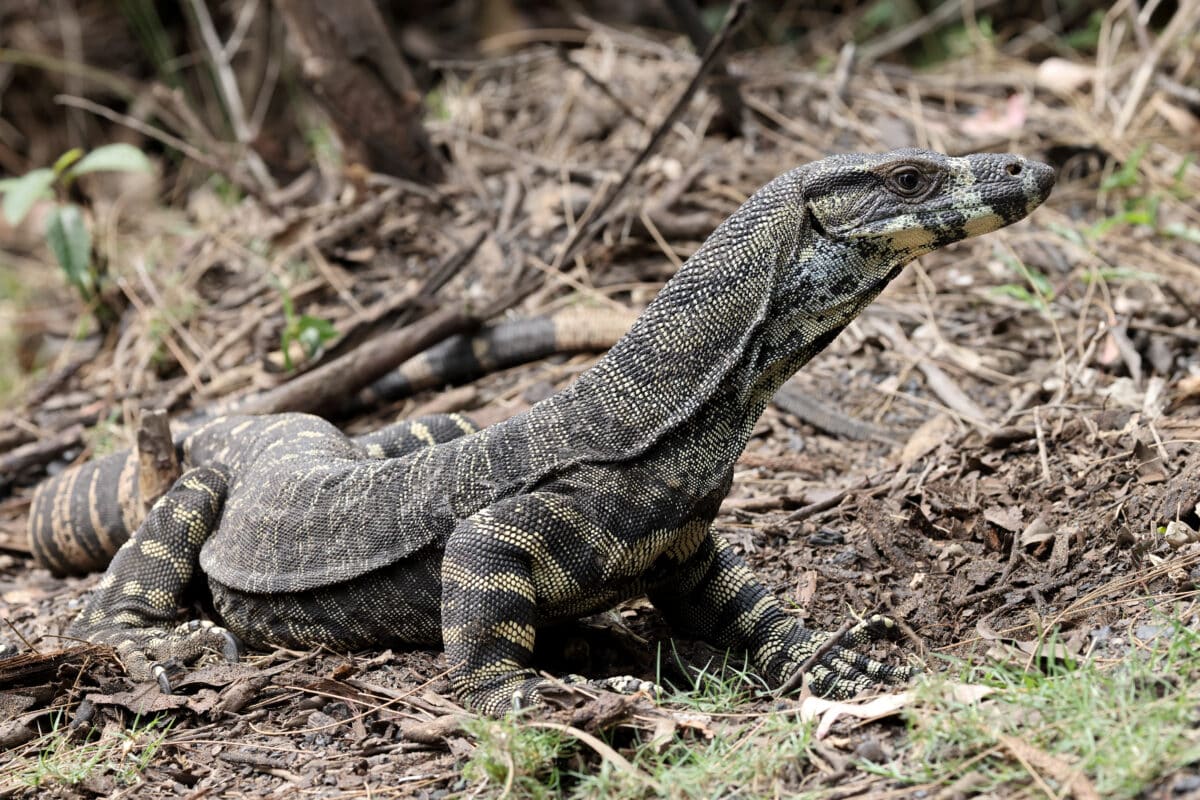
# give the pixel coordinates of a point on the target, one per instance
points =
(432, 531)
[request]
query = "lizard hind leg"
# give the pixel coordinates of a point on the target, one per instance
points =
(134, 607)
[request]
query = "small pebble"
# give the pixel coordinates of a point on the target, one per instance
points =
(871, 750)
(826, 537)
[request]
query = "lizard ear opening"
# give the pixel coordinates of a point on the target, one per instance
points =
(836, 218)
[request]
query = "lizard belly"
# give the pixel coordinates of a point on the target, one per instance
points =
(398, 604)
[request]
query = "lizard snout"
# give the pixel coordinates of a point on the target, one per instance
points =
(1034, 179)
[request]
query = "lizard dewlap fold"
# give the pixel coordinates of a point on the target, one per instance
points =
(431, 531)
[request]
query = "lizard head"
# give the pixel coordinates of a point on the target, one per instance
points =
(912, 201)
(870, 215)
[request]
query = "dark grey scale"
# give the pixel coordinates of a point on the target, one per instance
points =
(401, 438)
(400, 604)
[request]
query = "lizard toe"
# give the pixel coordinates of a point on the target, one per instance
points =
(209, 635)
(874, 628)
(877, 671)
(159, 670)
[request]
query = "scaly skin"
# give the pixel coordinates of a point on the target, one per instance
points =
(431, 532)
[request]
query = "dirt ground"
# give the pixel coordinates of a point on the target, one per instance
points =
(1033, 396)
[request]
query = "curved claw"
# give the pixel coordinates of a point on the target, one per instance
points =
(231, 647)
(159, 671)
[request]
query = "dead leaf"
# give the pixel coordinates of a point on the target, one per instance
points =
(1149, 464)
(1067, 775)
(1056, 650)
(1036, 532)
(926, 438)
(143, 700)
(1182, 120)
(217, 676)
(664, 734)
(1061, 553)
(808, 589)
(203, 701)
(884, 705)
(1179, 533)
(1187, 388)
(1005, 517)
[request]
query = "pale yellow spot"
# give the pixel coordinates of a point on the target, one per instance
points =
(160, 598)
(513, 582)
(240, 429)
(421, 431)
(155, 549)
(515, 632)
(914, 238)
(977, 226)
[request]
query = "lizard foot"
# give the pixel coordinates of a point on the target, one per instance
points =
(154, 653)
(571, 689)
(618, 684)
(839, 672)
(526, 689)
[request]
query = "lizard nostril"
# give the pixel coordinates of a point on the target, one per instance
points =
(1013, 168)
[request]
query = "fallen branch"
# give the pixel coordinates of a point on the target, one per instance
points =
(324, 386)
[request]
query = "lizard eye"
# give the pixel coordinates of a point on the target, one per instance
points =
(907, 181)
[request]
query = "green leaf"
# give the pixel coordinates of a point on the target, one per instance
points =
(114, 157)
(1021, 294)
(313, 333)
(26, 190)
(1127, 175)
(69, 238)
(67, 159)
(1115, 274)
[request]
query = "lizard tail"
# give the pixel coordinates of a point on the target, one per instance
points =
(79, 519)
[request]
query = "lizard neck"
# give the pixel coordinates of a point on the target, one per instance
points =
(796, 329)
(687, 346)
(686, 384)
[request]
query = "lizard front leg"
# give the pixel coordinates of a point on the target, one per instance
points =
(502, 568)
(716, 597)
(135, 605)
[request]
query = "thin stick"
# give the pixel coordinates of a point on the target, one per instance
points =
(323, 386)
(220, 58)
(588, 228)
(802, 670)
(149, 131)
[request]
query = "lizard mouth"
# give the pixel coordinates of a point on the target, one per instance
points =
(934, 227)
